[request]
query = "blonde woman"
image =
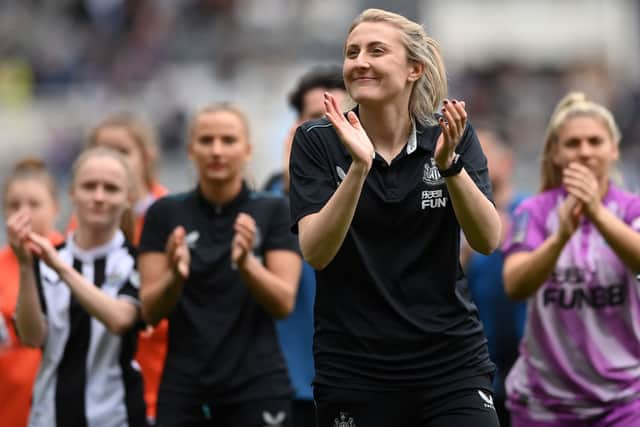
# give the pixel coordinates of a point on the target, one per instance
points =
(78, 302)
(574, 253)
(220, 264)
(379, 197)
(136, 141)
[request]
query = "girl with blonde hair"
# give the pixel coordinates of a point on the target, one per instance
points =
(379, 197)
(220, 264)
(574, 253)
(78, 302)
(136, 142)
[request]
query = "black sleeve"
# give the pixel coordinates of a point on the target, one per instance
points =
(312, 183)
(157, 227)
(37, 277)
(130, 290)
(474, 161)
(279, 236)
(131, 286)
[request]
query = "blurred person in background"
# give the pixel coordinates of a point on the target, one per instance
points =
(295, 332)
(574, 253)
(502, 319)
(307, 99)
(379, 197)
(136, 141)
(29, 188)
(79, 303)
(221, 264)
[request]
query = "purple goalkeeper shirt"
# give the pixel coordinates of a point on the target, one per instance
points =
(580, 354)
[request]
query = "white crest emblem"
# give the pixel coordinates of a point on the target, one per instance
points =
(191, 238)
(273, 421)
(344, 420)
(431, 175)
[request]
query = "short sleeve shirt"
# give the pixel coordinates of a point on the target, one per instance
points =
(392, 309)
(222, 343)
(580, 354)
(80, 357)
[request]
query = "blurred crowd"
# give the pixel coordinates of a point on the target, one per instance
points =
(64, 64)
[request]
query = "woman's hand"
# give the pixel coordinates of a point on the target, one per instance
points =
(243, 239)
(18, 231)
(42, 247)
(351, 133)
(569, 215)
(581, 183)
(452, 124)
(178, 253)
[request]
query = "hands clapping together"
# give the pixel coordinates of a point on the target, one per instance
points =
(584, 197)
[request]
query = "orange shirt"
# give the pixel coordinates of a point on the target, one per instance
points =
(18, 363)
(152, 350)
(152, 343)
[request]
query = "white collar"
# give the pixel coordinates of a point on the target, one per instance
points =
(89, 255)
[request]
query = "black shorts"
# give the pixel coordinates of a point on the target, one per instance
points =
(255, 413)
(304, 413)
(470, 407)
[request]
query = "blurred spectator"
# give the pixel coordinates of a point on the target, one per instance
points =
(573, 253)
(220, 264)
(296, 331)
(502, 319)
(130, 136)
(32, 189)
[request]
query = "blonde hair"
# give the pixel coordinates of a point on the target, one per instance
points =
(216, 108)
(574, 104)
(431, 88)
(127, 222)
(143, 136)
(229, 108)
(30, 168)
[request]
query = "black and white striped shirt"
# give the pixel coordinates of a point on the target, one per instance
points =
(87, 376)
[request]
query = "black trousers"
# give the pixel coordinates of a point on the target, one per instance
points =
(350, 408)
(304, 413)
(179, 412)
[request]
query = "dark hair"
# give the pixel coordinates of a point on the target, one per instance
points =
(323, 76)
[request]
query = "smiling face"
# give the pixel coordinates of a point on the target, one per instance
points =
(585, 139)
(100, 192)
(376, 68)
(219, 146)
